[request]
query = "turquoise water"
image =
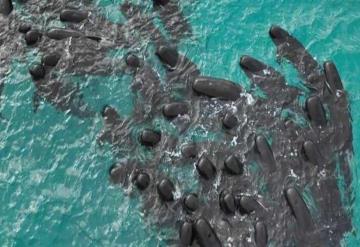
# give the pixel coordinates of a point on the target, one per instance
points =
(53, 175)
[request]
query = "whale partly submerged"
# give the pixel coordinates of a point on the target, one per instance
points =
(254, 177)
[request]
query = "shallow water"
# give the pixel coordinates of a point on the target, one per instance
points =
(54, 176)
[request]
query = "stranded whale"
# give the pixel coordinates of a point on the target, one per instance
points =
(60, 94)
(283, 201)
(252, 180)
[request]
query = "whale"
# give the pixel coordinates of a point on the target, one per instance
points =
(63, 96)
(6, 7)
(73, 15)
(173, 19)
(146, 86)
(258, 176)
(283, 202)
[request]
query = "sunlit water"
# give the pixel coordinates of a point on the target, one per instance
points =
(53, 175)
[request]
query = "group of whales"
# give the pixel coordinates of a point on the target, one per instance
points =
(236, 204)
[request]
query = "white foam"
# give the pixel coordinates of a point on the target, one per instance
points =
(177, 193)
(293, 174)
(249, 98)
(266, 72)
(233, 141)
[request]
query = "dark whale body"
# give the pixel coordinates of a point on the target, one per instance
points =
(256, 177)
(283, 203)
(6, 7)
(173, 19)
(63, 96)
(73, 15)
